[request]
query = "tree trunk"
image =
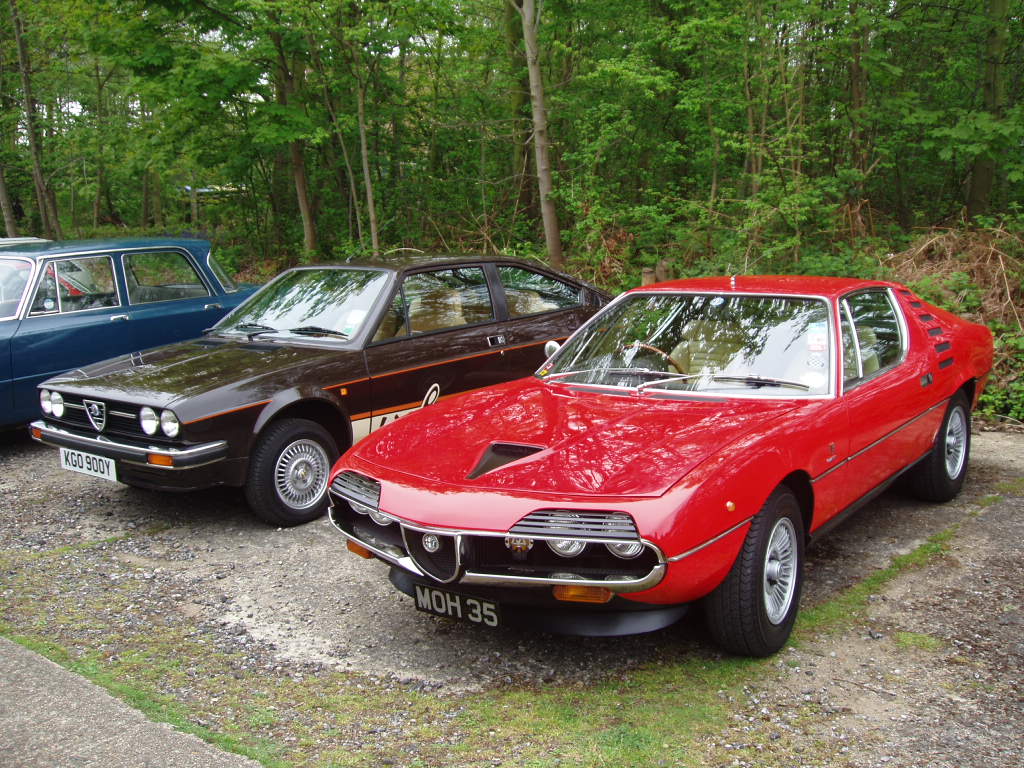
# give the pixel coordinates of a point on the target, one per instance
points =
(47, 206)
(517, 106)
(983, 171)
(10, 224)
(302, 194)
(549, 215)
(364, 150)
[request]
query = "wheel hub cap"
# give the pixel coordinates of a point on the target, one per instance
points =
(300, 476)
(956, 443)
(780, 571)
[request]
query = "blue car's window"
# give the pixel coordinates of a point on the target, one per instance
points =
(76, 284)
(728, 344)
(226, 282)
(14, 275)
(161, 276)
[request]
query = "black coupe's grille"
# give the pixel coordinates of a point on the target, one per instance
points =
(576, 524)
(359, 488)
(122, 419)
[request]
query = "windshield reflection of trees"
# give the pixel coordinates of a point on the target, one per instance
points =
(336, 299)
(703, 336)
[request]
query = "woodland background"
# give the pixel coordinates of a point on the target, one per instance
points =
(854, 137)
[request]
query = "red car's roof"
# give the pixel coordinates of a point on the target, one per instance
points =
(789, 284)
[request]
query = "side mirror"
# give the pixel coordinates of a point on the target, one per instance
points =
(551, 347)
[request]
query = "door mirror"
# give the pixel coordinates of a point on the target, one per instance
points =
(551, 347)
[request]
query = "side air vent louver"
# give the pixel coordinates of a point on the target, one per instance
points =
(498, 455)
(577, 524)
(352, 485)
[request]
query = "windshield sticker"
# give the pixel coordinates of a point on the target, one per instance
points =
(353, 321)
(817, 337)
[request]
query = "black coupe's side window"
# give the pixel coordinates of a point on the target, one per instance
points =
(447, 298)
(879, 341)
(529, 293)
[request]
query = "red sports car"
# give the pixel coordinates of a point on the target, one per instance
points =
(683, 446)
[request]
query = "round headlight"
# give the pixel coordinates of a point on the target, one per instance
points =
(44, 401)
(566, 547)
(148, 420)
(169, 424)
(380, 519)
(627, 550)
(56, 404)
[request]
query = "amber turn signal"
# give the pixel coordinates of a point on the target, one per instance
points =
(574, 593)
(359, 549)
(160, 460)
(37, 433)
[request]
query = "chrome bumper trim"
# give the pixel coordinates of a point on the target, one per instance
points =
(183, 458)
(393, 556)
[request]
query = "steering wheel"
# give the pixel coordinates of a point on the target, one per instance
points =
(663, 355)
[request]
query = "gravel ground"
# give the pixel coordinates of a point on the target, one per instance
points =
(931, 677)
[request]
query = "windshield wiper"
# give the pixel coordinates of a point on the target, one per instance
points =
(762, 381)
(252, 330)
(316, 330)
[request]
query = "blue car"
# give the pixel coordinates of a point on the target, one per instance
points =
(67, 304)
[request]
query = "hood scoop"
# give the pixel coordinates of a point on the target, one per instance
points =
(498, 455)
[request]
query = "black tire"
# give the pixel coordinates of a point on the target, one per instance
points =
(287, 482)
(939, 476)
(752, 612)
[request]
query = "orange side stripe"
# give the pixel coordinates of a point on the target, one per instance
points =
(225, 413)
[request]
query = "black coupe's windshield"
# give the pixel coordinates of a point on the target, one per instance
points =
(332, 302)
(723, 344)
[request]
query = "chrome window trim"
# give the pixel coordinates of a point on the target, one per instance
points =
(833, 351)
(210, 290)
(901, 323)
(44, 263)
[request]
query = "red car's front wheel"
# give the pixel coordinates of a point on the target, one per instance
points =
(753, 611)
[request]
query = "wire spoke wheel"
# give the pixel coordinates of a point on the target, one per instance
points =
(300, 475)
(779, 574)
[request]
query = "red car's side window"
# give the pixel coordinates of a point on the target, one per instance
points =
(872, 335)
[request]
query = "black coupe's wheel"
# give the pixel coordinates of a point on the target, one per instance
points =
(287, 483)
(940, 475)
(752, 612)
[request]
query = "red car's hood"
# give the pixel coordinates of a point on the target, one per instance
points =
(590, 443)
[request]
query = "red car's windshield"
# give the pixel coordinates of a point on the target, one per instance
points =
(717, 343)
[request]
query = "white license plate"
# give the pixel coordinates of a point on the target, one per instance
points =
(444, 603)
(88, 464)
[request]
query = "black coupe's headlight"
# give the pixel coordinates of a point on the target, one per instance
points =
(169, 424)
(148, 420)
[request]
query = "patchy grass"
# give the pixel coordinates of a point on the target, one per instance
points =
(919, 641)
(1013, 487)
(989, 500)
(101, 618)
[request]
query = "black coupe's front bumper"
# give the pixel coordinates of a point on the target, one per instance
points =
(154, 466)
